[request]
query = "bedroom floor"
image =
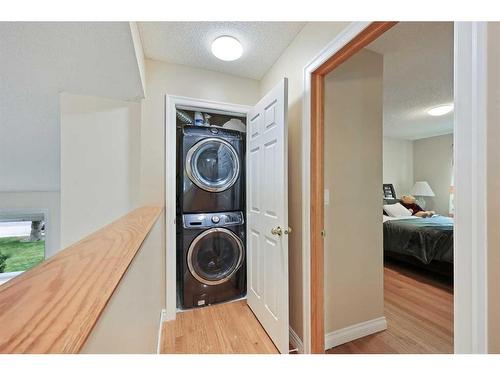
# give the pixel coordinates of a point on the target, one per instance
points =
(419, 313)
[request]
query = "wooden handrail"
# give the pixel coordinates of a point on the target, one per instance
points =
(53, 307)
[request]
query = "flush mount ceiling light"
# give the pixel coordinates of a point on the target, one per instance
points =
(227, 48)
(440, 110)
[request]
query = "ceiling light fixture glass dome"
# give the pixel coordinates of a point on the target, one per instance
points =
(441, 110)
(227, 48)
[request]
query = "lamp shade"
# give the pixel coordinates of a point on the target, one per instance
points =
(422, 189)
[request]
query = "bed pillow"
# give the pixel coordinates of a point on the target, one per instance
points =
(396, 210)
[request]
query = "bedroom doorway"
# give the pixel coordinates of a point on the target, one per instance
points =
(354, 171)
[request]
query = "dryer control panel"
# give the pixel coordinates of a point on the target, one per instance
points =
(219, 219)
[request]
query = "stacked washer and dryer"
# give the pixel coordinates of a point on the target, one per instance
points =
(211, 238)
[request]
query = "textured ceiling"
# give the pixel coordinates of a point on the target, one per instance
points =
(188, 43)
(418, 75)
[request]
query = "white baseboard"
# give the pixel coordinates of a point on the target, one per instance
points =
(354, 332)
(163, 315)
(296, 341)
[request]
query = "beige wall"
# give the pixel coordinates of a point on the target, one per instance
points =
(353, 174)
(171, 79)
(493, 186)
(433, 162)
(100, 140)
(130, 321)
(309, 42)
(398, 164)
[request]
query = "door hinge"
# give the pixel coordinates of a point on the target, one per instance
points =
(323, 233)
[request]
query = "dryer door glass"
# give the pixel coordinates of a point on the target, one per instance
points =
(213, 165)
(215, 255)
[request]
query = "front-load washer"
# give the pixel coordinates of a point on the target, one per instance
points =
(211, 258)
(211, 170)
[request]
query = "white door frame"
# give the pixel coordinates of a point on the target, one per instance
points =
(171, 103)
(470, 248)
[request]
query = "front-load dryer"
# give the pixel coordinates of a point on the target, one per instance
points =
(211, 170)
(211, 258)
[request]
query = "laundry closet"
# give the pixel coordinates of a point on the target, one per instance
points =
(210, 208)
(227, 207)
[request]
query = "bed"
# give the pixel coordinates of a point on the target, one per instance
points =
(425, 242)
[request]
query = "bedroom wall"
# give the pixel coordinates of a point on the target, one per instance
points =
(353, 252)
(398, 164)
(433, 162)
(307, 44)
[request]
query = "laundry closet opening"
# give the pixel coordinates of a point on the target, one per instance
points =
(210, 207)
(227, 218)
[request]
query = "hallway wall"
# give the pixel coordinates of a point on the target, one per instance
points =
(100, 140)
(171, 79)
(309, 42)
(354, 284)
(493, 185)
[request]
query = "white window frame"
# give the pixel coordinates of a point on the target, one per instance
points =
(23, 212)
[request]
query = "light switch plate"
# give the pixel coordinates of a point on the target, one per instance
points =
(327, 197)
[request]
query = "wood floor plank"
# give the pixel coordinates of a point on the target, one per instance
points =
(168, 337)
(227, 328)
(419, 313)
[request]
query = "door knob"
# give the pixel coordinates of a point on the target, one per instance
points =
(277, 231)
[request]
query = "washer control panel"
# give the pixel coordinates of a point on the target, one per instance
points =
(219, 219)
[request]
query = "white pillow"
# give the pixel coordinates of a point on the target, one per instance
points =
(396, 210)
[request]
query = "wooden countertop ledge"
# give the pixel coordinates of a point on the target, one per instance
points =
(53, 307)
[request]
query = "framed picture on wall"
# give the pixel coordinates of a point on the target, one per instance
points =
(389, 192)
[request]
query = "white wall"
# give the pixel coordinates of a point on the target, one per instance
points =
(433, 162)
(354, 287)
(130, 321)
(171, 79)
(100, 161)
(398, 164)
(308, 43)
(38, 60)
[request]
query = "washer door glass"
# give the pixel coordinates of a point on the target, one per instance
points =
(213, 165)
(215, 255)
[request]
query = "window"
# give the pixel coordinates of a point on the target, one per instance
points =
(22, 241)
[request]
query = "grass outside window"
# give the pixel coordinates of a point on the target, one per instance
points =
(20, 255)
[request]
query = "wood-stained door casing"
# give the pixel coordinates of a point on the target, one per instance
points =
(368, 35)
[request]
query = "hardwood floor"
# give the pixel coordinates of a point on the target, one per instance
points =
(419, 312)
(418, 308)
(229, 328)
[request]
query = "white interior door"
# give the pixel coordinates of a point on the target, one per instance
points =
(267, 214)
